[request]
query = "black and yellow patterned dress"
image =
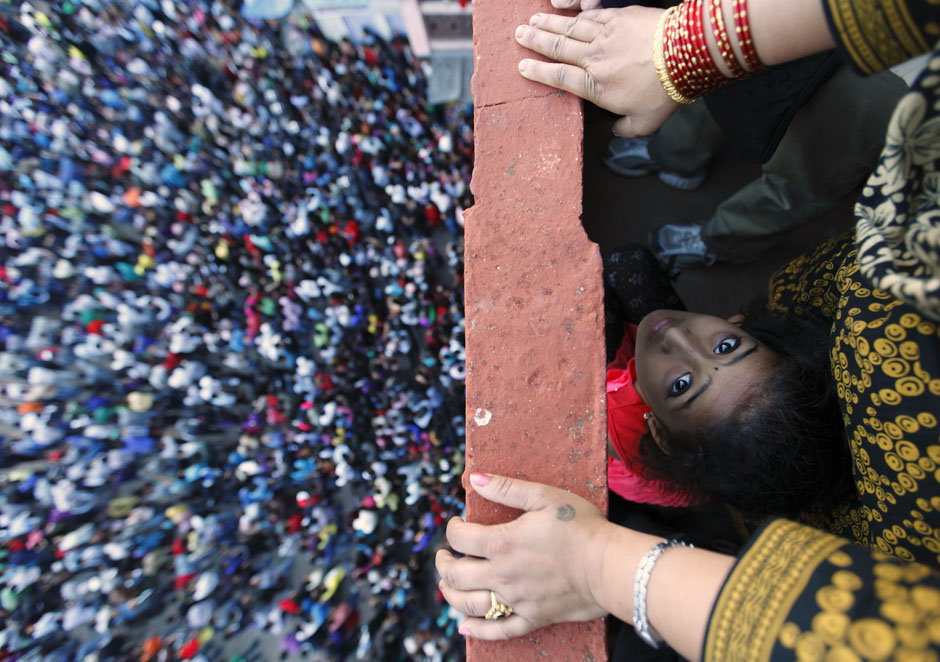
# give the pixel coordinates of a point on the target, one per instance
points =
(803, 590)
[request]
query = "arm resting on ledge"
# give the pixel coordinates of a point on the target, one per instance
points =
(563, 561)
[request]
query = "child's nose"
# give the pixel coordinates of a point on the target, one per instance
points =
(676, 339)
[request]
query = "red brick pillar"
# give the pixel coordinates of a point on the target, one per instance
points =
(534, 305)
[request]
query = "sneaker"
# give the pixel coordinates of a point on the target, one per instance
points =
(679, 247)
(630, 157)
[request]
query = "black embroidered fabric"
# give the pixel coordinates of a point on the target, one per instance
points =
(635, 284)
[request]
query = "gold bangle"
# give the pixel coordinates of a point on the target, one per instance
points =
(659, 60)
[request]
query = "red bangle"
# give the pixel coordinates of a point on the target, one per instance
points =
(742, 26)
(701, 57)
(722, 39)
(679, 42)
(682, 75)
(689, 62)
(659, 59)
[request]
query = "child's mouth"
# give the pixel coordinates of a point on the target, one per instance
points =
(659, 327)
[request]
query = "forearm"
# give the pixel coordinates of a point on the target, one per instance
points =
(562, 560)
(871, 35)
(682, 591)
(785, 31)
(683, 587)
(780, 31)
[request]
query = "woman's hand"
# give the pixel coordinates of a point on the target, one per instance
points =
(604, 56)
(542, 564)
(583, 5)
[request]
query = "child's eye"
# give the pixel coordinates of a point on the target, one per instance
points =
(727, 345)
(681, 385)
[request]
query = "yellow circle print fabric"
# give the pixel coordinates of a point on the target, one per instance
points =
(856, 608)
(885, 360)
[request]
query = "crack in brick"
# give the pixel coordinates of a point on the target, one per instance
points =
(534, 96)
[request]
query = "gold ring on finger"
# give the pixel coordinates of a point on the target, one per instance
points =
(497, 609)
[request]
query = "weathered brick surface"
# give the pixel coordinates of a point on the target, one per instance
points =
(534, 306)
(496, 77)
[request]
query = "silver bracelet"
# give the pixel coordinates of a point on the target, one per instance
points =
(640, 583)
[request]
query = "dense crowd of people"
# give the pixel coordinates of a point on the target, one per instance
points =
(231, 337)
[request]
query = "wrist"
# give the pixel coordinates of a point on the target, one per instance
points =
(614, 554)
(592, 566)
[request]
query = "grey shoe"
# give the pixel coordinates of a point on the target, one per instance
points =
(630, 157)
(679, 247)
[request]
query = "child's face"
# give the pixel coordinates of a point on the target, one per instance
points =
(693, 368)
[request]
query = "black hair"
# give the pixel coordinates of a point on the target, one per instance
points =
(781, 451)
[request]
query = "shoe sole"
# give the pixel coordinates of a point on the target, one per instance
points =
(638, 170)
(681, 182)
(671, 179)
(676, 263)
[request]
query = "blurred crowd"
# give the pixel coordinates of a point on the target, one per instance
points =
(231, 338)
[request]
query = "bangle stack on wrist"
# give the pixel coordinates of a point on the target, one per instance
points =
(683, 62)
(688, 60)
(640, 584)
